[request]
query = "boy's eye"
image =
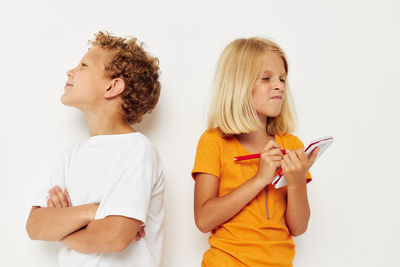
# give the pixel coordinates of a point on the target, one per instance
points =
(265, 78)
(83, 65)
(283, 80)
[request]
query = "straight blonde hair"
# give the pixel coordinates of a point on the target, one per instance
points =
(232, 111)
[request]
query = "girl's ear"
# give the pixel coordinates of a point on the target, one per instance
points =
(116, 88)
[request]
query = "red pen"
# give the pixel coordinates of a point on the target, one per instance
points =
(255, 156)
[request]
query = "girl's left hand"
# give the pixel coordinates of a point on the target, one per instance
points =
(295, 165)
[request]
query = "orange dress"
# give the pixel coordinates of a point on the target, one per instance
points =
(257, 235)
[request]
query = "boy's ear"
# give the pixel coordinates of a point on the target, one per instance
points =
(116, 88)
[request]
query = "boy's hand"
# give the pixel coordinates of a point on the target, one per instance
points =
(58, 198)
(140, 234)
(295, 165)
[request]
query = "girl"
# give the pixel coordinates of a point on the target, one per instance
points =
(251, 222)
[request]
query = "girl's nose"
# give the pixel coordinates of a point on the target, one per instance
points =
(279, 85)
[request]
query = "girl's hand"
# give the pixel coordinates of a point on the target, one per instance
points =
(295, 165)
(270, 161)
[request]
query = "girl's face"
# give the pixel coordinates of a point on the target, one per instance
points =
(269, 89)
(87, 82)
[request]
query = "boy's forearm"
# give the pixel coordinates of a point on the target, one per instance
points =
(298, 209)
(53, 224)
(102, 236)
(88, 241)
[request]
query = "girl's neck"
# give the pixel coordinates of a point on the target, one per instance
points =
(255, 141)
(258, 135)
(254, 136)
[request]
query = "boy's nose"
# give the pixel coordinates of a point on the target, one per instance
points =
(69, 73)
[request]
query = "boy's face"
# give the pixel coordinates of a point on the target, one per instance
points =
(88, 81)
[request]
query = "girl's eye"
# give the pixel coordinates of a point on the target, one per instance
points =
(83, 65)
(283, 80)
(265, 78)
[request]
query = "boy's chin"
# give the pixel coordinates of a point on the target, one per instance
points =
(66, 101)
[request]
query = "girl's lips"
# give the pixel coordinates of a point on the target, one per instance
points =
(67, 85)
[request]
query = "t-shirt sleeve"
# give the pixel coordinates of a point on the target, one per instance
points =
(129, 192)
(299, 144)
(208, 155)
(56, 177)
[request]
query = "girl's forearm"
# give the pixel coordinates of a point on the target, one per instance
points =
(218, 210)
(298, 209)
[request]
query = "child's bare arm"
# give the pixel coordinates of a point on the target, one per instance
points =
(59, 219)
(298, 210)
(111, 234)
(53, 224)
(295, 166)
(211, 210)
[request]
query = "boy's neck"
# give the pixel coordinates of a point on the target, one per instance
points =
(101, 124)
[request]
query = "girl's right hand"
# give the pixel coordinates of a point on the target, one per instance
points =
(270, 161)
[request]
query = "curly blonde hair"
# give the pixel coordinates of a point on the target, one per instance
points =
(140, 72)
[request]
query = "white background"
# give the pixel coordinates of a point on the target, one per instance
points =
(344, 61)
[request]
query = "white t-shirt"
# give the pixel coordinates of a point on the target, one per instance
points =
(123, 173)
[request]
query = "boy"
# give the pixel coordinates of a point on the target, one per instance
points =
(106, 188)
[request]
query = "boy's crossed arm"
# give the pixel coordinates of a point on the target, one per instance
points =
(76, 227)
(111, 234)
(59, 218)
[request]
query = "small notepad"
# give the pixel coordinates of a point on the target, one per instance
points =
(323, 143)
